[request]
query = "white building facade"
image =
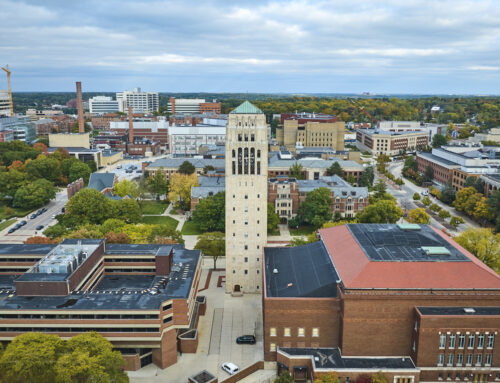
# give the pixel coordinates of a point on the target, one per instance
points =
(141, 102)
(246, 198)
(103, 104)
(186, 140)
(4, 103)
(185, 105)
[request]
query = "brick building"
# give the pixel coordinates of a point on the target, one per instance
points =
(102, 122)
(142, 298)
(378, 142)
(491, 183)
(382, 291)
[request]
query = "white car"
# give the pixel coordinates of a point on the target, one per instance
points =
(230, 368)
(425, 192)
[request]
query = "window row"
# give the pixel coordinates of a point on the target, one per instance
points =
(476, 378)
(78, 316)
(287, 331)
(451, 340)
(469, 360)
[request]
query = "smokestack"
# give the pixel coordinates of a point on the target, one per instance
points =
(130, 125)
(172, 103)
(79, 105)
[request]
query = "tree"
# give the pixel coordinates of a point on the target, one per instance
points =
(438, 140)
(30, 358)
(88, 206)
(483, 244)
(299, 241)
(164, 234)
(466, 200)
(208, 168)
(297, 171)
(272, 218)
(212, 244)
(187, 168)
(10, 182)
(284, 377)
(335, 169)
(44, 167)
(210, 213)
(41, 240)
(350, 178)
(416, 196)
(455, 221)
(367, 176)
(66, 164)
(34, 194)
(180, 188)
(127, 210)
(444, 214)
(435, 207)
(482, 210)
(126, 187)
(426, 201)
(379, 377)
(79, 170)
(419, 215)
(448, 193)
(380, 188)
(158, 184)
(410, 163)
(316, 209)
(383, 211)
(331, 377)
(494, 204)
(428, 174)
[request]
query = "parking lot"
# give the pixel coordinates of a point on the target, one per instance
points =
(225, 319)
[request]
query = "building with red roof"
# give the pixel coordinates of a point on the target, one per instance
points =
(376, 294)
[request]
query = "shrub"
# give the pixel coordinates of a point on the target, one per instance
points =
(455, 221)
(444, 214)
(435, 207)
(426, 201)
(416, 197)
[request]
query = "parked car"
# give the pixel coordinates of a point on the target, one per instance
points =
(119, 167)
(245, 339)
(17, 226)
(11, 230)
(39, 227)
(33, 216)
(230, 368)
(23, 222)
(63, 209)
(425, 192)
(128, 171)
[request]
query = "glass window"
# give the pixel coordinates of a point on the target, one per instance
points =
(461, 341)
(469, 359)
(480, 341)
(479, 359)
(487, 362)
(287, 331)
(442, 340)
(450, 360)
(272, 347)
(460, 359)
(315, 332)
(491, 340)
(452, 342)
(272, 331)
(301, 331)
(472, 338)
(440, 359)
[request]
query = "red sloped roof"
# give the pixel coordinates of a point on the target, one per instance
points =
(357, 271)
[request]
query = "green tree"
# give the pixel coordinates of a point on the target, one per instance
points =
(316, 209)
(494, 204)
(126, 187)
(44, 167)
(444, 214)
(379, 377)
(34, 194)
(416, 196)
(88, 206)
(66, 163)
(112, 225)
(10, 182)
(419, 215)
(426, 201)
(483, 244)
(335, 169)
(380, 188)
(158, 184)
(435, 207)
(210, 213)
(187, 168)
(350, 178)
(410, 163)
(367, 176)
(163, 234)
(79, 170)
(297, 171)
(428, 174)
(212, 244)
(331, 377)
(438, 140)
(208, 168)
(284, 377)
(272, 218)
(448, 193)
(455, 221)
(180, 188)
(127, 210)
(383, 211)
(30, 358)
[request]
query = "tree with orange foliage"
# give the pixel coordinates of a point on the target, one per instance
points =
(37, 239)
(17, 165)
(40, 146)
(113, 237)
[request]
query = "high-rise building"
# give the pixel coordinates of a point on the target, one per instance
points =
(192, 106)
(103, 104)
(246, 198)
(141, 102)
(4, 103)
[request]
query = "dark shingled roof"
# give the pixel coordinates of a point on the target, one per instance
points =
(330, 358)
(101, 181)
(303, 271)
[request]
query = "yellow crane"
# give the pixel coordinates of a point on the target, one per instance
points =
(6, 69)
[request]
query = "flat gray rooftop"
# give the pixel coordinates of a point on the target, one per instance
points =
(465, 310)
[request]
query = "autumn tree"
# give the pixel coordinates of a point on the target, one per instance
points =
(419, 215)
(379, 377)
(331, 377)
(483, 244)
(212, 244)
(180, 188)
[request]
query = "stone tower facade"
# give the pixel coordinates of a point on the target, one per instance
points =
(246, 198)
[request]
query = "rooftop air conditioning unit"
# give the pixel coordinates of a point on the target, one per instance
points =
(469, 310)
(275, 271)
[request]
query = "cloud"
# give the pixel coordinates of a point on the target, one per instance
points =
(276, 45)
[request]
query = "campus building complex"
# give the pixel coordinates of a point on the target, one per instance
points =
(246, 198)
(402, 299)
(142, 298)
(141, 102)
(99, 105)
(390, 143)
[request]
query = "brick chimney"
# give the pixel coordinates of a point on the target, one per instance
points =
(79, 105)
(130, 126)
(172, 103)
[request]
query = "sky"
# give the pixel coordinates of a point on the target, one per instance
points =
(344, 46)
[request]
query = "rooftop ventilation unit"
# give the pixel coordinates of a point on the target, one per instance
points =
(409, 226)
(435, 250)
(469, 310)
(275, 271)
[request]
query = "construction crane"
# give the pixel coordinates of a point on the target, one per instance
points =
(362, 108)
(6, 69)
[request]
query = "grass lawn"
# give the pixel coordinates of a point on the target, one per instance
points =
(16, 212)
(302, 230)
(153, 207)
(190, 228)
(160, 220)
(274, 232)
(6, 224)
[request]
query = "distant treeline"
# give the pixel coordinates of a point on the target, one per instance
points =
(483, 111)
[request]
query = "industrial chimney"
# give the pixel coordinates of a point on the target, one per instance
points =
(172, 105)
(79, 105)
(130, 126)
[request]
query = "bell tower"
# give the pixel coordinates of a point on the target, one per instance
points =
(246, 198)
